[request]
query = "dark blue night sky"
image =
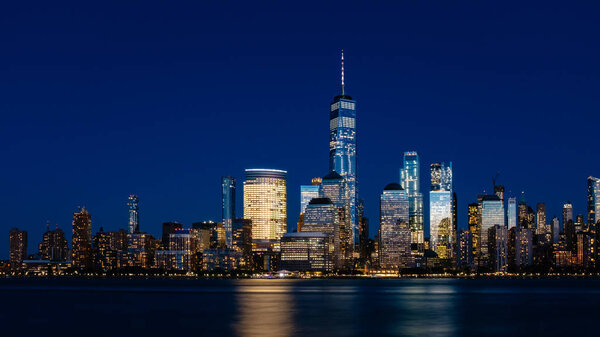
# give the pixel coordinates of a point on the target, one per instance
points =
(162, 99)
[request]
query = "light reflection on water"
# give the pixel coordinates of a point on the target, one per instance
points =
(287, 307)
(264, 311)
(405, 307)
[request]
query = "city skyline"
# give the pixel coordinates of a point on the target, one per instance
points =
(60, 158)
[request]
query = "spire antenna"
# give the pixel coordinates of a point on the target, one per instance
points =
(342, 72)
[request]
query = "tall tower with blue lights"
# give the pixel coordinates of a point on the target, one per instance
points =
(342, 146)
(134, 214)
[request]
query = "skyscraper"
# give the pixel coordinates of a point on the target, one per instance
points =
(492, 213)
(569, 227)
(498, 247)
(394, 230)
(228, 200)
(335, 188)
(169, 228)
(134, 222)
(17, 242)
(474, 223)
(555, 230)
(567, 214)
(307, 193)
(342, 147)
(440, 208)
(410, 181)
(321, 216)
(82, 239)
(593, 204)
(512, 212)
(265, 204)
(54, 246)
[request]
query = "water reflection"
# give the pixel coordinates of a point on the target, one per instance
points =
(264, 309)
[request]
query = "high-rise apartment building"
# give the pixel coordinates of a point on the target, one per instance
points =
(134, 214)
(265, 204)
(168, 228)
(593, 201)
(54, 246)
(82, 239)
(474, 222)
(498, 252)
(228, 202)
(17, 242)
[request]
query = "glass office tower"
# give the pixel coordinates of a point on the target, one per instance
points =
(440, 210)
(134, 213)
(593, 206)
(394, 231)
(228, 201)
(307, 193)
(321, 215)
(335, 188)
(342, 147)
(512, 212)
(492, 213)
(410, 181)
(265, 204)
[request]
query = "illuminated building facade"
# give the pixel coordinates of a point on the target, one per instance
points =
(17, 241)
(441, 176)
(526, 215)
(307, 193)
(593, 201)
(169, 228)
(174, 260)
(410, 181)
(306, 251)
(523, 247)
(322, 216)
(569, 227)
(221, 259)
(492, 213)
(134, 214)
(540, 220)
(567, 214)
(465, 249)
(104, 256)
(511, 213)
(474, 222)
(82, 239)
(54, 246)
(441, 217)
(586, 249)
(228, 201)
(265, 204)
(207, 234)
(335, 188)
(499, 191)
(140, 250)
(394, 230)
(497, 244)
(242, 241)
(555, 226)
(342, 148)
